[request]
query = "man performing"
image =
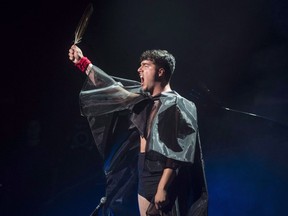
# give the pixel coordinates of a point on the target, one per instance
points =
(150, 125)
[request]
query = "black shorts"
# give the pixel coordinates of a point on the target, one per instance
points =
(149, 173)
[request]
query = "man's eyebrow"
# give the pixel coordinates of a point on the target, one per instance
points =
(145, 63)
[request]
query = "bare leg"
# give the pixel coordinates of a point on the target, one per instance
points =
(143, 205)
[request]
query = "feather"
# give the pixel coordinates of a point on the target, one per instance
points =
(83, 23)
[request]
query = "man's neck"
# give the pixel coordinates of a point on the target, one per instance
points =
(160, 89)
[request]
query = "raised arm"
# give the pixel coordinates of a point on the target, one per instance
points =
(97, 77)
(102, 93)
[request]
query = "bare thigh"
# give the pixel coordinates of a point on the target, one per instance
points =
(143, 205)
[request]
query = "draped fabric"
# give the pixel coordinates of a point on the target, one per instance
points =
(102, 94)
(176, 126)
(117, 111)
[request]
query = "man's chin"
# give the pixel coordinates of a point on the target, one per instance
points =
(145, 89)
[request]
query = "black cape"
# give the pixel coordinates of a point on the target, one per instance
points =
(111, 105)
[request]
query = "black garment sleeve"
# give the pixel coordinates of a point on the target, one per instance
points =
(172, 164)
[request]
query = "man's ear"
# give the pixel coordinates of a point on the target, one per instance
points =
(161, 72)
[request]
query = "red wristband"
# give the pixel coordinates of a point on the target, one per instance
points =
(83, 64)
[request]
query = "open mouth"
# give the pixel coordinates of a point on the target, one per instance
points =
(141, 79)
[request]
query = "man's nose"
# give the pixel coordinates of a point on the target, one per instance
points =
(139, 69)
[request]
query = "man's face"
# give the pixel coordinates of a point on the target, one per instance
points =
(148, 75)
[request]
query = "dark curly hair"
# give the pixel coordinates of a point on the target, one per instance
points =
(162, 59)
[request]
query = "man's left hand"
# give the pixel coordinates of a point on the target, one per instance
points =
(160, 198)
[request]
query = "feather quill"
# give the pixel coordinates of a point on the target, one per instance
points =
(83, 23)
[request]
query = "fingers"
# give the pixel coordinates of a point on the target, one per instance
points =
(159, 205)
(71, 54)
(75, 53)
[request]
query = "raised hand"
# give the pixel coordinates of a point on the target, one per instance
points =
(75, 54)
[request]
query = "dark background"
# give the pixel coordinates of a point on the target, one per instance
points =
(230, 54)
